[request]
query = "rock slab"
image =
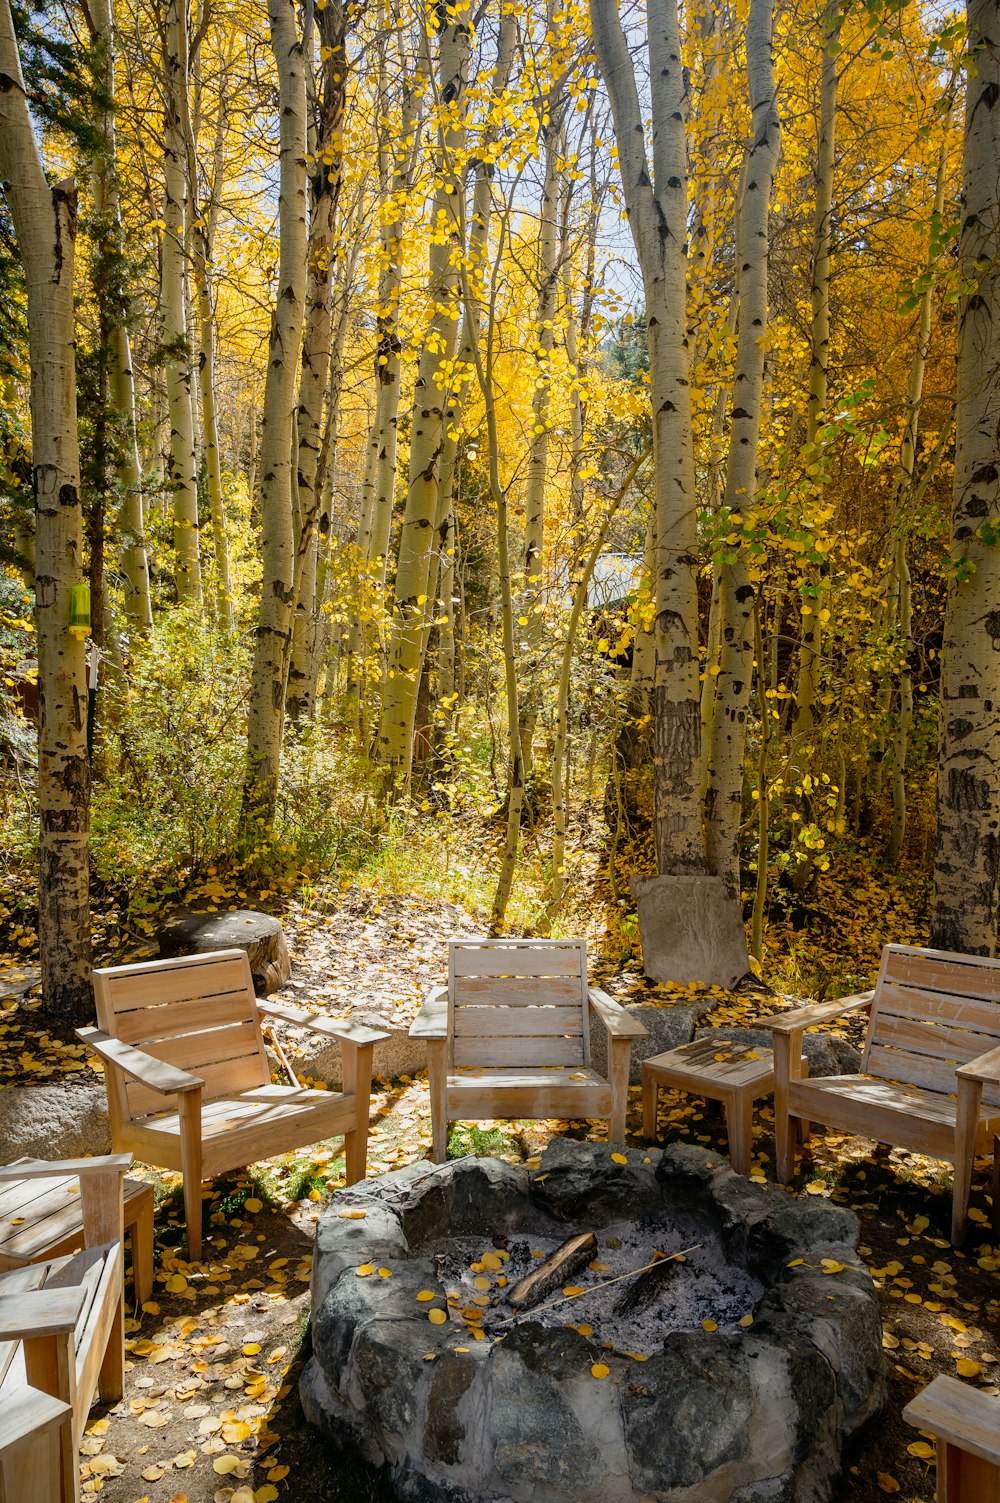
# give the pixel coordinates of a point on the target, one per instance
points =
(690, 930)
(66, 1120)
(260, 935)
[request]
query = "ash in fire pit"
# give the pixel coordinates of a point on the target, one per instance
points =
(730, 1372)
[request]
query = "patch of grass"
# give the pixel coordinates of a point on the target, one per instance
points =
(481, 1142)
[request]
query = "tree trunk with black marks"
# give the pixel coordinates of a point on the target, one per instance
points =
(967, 846)
(737, 593)
(267, 684)
(656, 199)
(44, 220)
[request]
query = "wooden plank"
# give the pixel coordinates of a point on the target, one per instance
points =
(920, 1121)
(965, 976)
(39, 1312)
(941, 1040)
(209, 1046)
(960, 1414)
(913, 1069)
(226, 1078)
(431, 1021)
(473, 1099)
(619, 1022)
(535, 960)
(982, 1016)
(499, 1052)
(173, 1017)
(195, 977)
(517, 1022)
(513, 990)
(135, 1062)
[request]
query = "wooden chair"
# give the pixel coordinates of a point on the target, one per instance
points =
(930, 1073)
(509, 1036)
(42, 1218)
(188, 1080)
(61, 1338)
(966, 1426)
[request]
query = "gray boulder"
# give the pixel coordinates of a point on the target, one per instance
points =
(64, 1120)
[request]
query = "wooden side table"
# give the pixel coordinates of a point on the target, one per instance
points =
(966, 1425)
(43, 1218)
(720, 1069)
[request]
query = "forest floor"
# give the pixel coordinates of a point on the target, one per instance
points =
(211, 1411)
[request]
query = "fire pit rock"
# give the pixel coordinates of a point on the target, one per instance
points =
(734, 1382)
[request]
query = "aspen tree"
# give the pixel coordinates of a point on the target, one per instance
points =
(44, 220)
(182, 464)
(107, 207)
(431, 403)
(267, 684)
(656, 199)
(737, 594)
(326, 150)
(967, 844)
(811, 627)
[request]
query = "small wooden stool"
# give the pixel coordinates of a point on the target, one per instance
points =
(43, 1218)
(732, 1073)
(966, 1424)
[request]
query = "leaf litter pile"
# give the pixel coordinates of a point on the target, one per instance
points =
(211, 1412)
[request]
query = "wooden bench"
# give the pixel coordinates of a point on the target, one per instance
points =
(61, 1339)
(966, 1426)
(509, 1036)
(732, 1073)
(189, 1083)
(930, 1073)
(43, 1218)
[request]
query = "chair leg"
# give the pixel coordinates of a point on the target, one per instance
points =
(619, 1060)
(739, 1126)
(356, 1066)
(970, 1095)
(189, 1108)
(650, 1097)
(437, 1075)
(142, 1250)
(111, 1378)
(995, 1191)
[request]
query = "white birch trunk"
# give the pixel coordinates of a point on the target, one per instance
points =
(657, 207)
(431, 411)
(44, 220)
(724, 797)
(967, 847)
(267, 685)
(182, 469)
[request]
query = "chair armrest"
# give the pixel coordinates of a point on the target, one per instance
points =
(801, 1018)
(166, 1079)
(984, 1068)
(618, 1021)
(40, 1312)
(43, 1168)
(960, 1414)
(27, 1411)
(338, 1028)
(431, 1021)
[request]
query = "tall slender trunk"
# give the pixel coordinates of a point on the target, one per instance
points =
(431, 406)
(657, 207)
(203, 223)
(810, 628)
(182, 468)
(724, 797)
(967, 846)
(325, 180)
(44, 220)
(900, 570)
(267, 684)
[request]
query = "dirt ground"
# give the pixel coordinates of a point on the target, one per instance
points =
(211, 1412)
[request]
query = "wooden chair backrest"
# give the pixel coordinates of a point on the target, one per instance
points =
(517, 1002)
(198, 1012)
(933, 1011)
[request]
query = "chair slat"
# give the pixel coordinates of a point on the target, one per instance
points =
(510, 990)
(132, 988)
(517, 1051)
(533, 960)
(170, 1019)
(957, 975)
(517, 1022)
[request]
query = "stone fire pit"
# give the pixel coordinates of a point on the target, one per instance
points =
(735, 1382)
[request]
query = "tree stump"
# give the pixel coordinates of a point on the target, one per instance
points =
(260, 935)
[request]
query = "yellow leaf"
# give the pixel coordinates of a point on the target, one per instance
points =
(966, 1368)
(795, 1263)
(225, 1464)
(278, 1473)
(251, 1348)
(886, 1483)
(921, 1449)
(364, 1270)
(344, 1216)
(265, 1494)
(437, 1317)
(425, 1295)
(830, 1265)
(176, 1283)
(253, 1206)
(600, 1370)
(618, 1158)
(572, 1289)
(746, 1321)
(385, 1273)
(709, 1325)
